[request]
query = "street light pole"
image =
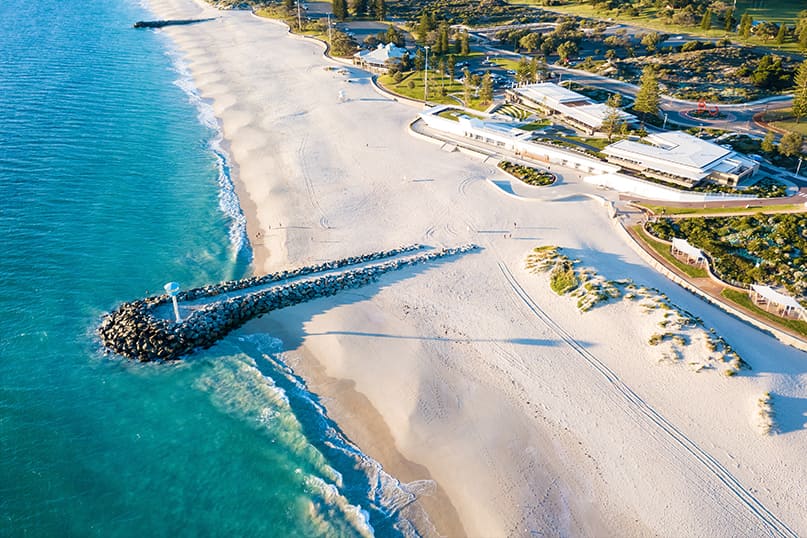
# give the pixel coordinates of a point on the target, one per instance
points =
(330, 41)
(426, 80)
(299, 20)
(799, 166)
(665, 121)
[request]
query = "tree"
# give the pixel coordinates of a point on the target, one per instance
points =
(419, 60)
(424, 27)
(566, 50)
(391, 36)
(342, 44)
(406, 62)
(465, 47)
(800, 92)
(730, 21)
(790, 144)
(781, 35)
(651, 41)
(288, 4)
(380, 9)
(451, 65)
(486, 90)
(771, 74)
(613, 119)
(467, 86)
(443, 39)
(537, 68)
(766, 30)
(523, 71)
(339, 9)
(530, 42)
(706, 20)
(649, 95)
(767, 144)
(801, 29)
(360, 8)
(746, 21)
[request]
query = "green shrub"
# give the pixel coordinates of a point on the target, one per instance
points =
(562, 280)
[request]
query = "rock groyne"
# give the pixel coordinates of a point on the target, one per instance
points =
(160, 24)
(136, 329)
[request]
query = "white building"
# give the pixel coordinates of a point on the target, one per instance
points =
(505, 136)
(681, 158)
(377, 58)
(778, 303)
(571, 107)
(682, 249)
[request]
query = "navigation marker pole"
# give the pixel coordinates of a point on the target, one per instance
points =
(172, 289)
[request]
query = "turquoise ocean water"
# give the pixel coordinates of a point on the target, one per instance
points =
(113, 183)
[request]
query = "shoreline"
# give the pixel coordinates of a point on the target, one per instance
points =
(444, 374)
(349, 408)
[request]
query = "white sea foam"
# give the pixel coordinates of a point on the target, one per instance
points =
(386, 494)
(334, 501)
(228, 199)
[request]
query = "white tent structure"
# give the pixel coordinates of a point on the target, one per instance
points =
(681, 248)
(778, 303)
(377, 58)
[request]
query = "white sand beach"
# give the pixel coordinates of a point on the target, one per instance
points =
(533, 419)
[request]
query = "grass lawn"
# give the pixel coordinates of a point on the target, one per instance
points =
(783, 119)
(435, 85)
(506, 63)
(598, 143)
(453, 114)
(663, 249)
(697, 211)
(535, 125)
(772, 10)
(742, 299)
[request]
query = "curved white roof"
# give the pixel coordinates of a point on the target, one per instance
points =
(775, 297)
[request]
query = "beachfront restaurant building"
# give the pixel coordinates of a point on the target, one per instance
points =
(570, 107)
(503, 135)
(680, 158)
(377, 59)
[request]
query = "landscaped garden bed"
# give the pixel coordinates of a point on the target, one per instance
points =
(527, 174)
(769, 249)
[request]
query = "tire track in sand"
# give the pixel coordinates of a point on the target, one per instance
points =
(750, 515)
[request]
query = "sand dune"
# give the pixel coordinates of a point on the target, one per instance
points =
(532, 417)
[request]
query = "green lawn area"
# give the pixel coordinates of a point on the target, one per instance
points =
(535, 125)
(663, 249)
(698, 211)
(742, 299)
(436, 83)
(783, 119)
(506, 63)
(772, 10)
(453, 114)
(598, 143)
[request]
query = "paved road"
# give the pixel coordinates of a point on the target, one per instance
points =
(737, 117)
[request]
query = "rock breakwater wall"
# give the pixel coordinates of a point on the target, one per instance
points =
(135, 332)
